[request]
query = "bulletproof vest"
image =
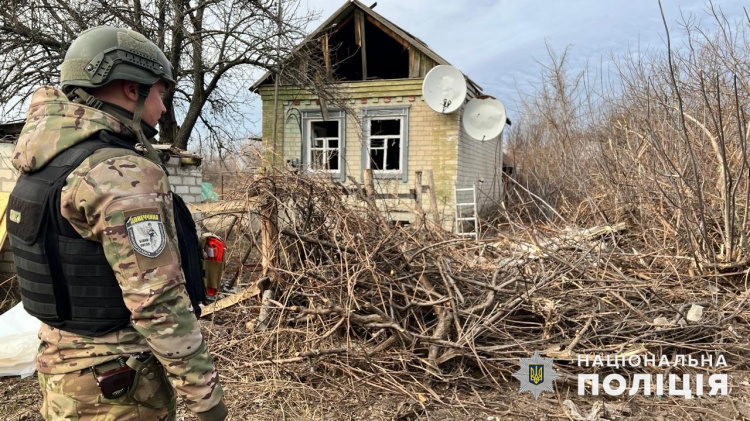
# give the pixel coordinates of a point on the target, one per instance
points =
(65, 280)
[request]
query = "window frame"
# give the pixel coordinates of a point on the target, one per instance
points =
(385, 139)
(312, 116)
(325, 148)
(386, 113)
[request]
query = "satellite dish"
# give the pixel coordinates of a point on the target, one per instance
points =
(444, 89)
(484, 118)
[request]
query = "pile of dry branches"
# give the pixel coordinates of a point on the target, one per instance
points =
(404, 308)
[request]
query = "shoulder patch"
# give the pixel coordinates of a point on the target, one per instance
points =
(146, 234)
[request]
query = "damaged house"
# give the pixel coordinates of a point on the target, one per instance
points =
(378, 120)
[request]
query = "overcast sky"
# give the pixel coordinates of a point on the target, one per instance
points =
(498, 43)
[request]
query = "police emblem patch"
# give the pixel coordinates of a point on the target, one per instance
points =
(146, 234)
(536, 375)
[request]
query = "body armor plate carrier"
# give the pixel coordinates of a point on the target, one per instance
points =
(66, 280)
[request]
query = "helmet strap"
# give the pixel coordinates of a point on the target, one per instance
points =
(148, 150)
(79, 95)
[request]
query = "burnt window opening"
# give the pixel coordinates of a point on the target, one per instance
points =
(346, 55)
(385, 144)
(325, 145)
(386, 57)
(357, 47)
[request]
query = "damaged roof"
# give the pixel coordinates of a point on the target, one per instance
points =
(349, 8)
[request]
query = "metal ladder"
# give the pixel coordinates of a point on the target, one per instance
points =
(460, 211)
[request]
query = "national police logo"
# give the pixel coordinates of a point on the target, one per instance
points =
(536, 375)
(146, 234)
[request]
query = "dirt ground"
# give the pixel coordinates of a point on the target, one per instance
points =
(283, 400)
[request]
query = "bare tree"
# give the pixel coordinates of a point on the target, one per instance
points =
(661, 145)
(217, 48)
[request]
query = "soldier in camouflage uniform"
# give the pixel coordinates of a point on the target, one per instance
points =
(112, 85)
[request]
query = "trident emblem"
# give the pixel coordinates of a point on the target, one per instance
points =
(536, 373)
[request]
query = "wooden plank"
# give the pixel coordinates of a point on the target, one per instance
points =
(426, 65)
(360, 26)
(414, 62)
(385, 196)
(354, 94)
(224, 206)
(269, 252)
(418, 198)
(359, 30)
(405, 86)
(433, 196)
(249, 292)
(294, 89)
(419, 64)
(326, 53)
(369, 183)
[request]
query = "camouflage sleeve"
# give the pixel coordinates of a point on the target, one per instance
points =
(125, 204)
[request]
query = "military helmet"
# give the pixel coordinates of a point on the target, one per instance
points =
(105, 53)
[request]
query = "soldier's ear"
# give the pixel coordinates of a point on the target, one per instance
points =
(130, 89)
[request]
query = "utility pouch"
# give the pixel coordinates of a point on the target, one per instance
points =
(113, 382)
(150, 387)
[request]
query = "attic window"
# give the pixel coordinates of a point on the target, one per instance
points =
(362, 48)
(346, 55)
(386, 57)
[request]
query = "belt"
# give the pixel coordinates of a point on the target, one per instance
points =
(106, 366)
(121, 361)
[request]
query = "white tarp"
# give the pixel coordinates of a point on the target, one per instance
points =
(18, 336)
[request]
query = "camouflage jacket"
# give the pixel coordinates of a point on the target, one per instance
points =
(97, 199)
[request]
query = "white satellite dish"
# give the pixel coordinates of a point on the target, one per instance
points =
(484, 118)
(444, 89)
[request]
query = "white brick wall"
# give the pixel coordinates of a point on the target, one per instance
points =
(432, 145)
(185, 180)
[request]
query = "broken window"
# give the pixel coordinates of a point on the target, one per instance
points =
(385, 144)
(323, 143)
(324, 147)
(346, 54)
(385, 141)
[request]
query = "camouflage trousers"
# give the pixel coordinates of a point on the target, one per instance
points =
(76, 397)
